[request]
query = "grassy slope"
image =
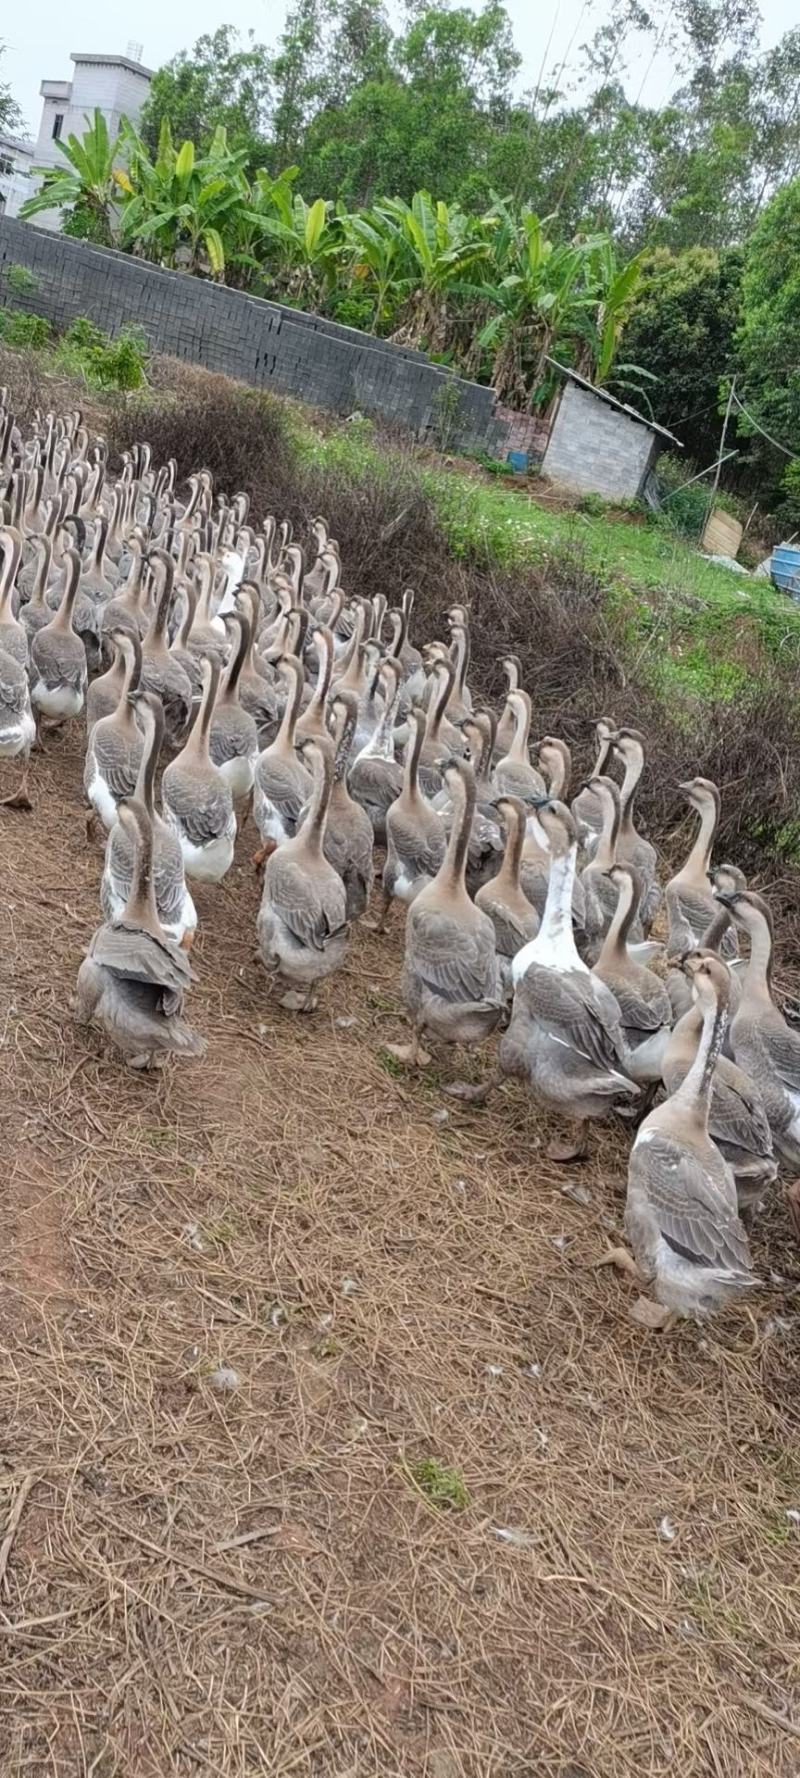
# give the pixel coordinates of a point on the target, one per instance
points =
(693, 627)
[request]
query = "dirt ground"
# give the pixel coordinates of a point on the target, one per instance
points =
(250, 1580)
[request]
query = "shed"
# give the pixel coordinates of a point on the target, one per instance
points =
(598, 444)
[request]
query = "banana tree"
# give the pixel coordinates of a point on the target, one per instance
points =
(304, 239)
(93, 179)
(538, 305)
(446, 245)
(183, 208)
(613, 289)
(378, 258)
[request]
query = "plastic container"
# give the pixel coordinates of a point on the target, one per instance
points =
(785, 569)
(518, 461)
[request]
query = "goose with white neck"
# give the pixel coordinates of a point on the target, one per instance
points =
(763, 1044)
(114, 746)
(681, 1214)
(133, 980)
(282, 782)
(302, 926)
(737, 1117)
(451, 981)
(513, 916)
(174, 904)
(644, 1004)
(565, 1038)
(416, 837)
(197, 801)
(58, 670)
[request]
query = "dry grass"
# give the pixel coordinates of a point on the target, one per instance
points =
(251, 1582)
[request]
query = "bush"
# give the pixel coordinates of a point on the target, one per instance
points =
(29, 332)
(207, 421)
(20, 280)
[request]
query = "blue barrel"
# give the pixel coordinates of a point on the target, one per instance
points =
(518, 461)
(785, 569)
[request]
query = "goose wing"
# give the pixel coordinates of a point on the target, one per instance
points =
(312, 907)
(454, 960)
(694, 1217)
(577, 1010)
(14, 698)
(782, 1045)
(737, 1112)
(287, 786)
(202, 805)
(139, 956)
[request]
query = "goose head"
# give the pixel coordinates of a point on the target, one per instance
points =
(702, 795)
(553, 826)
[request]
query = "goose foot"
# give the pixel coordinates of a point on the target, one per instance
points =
(473, 1095)
(19, 799)
(412, 1054)
(262, 854)
(379, 925)
(622, 1261)
(298, 1000)
(645, 1313)
(575, 1150)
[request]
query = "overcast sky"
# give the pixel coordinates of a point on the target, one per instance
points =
(40, 36)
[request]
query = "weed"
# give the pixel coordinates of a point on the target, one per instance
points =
(20, 280)
(390, 1065)
(25, 331)
(442, 1485)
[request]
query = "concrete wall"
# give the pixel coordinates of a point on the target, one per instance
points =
(595, 448)
(265, 344)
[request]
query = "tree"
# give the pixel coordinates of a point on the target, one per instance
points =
(11, 121)
(182, 207)
(768, 339)
(90, 183)
(217, 82)
(681, 331)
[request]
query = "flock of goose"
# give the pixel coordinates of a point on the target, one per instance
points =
(174, 627)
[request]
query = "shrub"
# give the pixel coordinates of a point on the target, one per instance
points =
(20, 280)
(207, 421)
(30, 332)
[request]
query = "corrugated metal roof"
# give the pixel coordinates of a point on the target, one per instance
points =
(622, 407)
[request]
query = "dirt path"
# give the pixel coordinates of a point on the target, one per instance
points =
(249, 1581)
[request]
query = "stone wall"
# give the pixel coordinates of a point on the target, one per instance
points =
(596, 448)
(263, 343)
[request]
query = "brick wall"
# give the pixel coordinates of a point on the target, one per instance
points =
(262, 343)
(595, 448)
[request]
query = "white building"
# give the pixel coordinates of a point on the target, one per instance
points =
(115, 85)
(16, 161)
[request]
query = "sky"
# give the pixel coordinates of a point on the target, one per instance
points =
(39, 37)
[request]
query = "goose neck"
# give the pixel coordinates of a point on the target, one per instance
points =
(454, 866)
(694, 1091)
(699, 858)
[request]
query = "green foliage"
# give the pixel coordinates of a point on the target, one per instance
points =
(217, 82)
(442, 1485)
(681, 330)
(25, 331)
(768, 339)
(11, 121)
(20, 280)
(91, 181)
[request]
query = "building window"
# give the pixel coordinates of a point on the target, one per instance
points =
(58, 122)
(6, 166)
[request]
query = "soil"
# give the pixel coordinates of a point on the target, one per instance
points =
(240, 1574)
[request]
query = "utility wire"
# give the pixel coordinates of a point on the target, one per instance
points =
(767, 435)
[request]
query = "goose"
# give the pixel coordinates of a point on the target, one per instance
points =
(632, 847)
(17, 726)
(375, 778)
(459, 703)
(416, 837)
(348, 839)
(565, 1037)
(13, 635)
(59, 672)
(162, 674)
(282, 782)
(257, 693)
(737, 1118)
(409, 657)
(555, 761)
(133, 980)
(174, 904)
(103, 693)
(681, 1216)
(126, 610)
(196, 800)
(97, 578)
(764, 1046)
(451, 980)
(37, 613)
(186, 657)
(586, 808)
(599, 891)
(689, 899)
(233, 736)
(302, 925)
(486, 840)
(114, 747)
(644, 1004)
(312, 722)
(513, 916)
(438, 732)
(506, 727)
(513, 774)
